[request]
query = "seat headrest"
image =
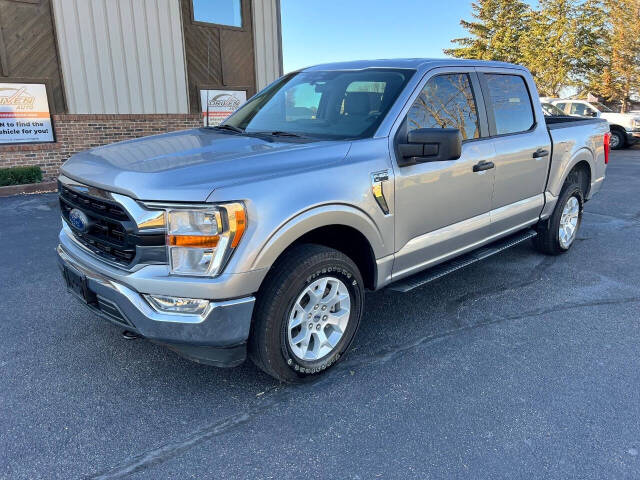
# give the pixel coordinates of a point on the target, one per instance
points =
(357, 103)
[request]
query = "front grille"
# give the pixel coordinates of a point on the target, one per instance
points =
(107, 234)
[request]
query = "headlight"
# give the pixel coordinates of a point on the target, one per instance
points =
(636, 123)
(201, 240)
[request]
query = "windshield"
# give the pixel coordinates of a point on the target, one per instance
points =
(551, 110)
(335, 104)
(601, 107)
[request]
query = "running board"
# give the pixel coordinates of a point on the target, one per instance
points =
(457, 263)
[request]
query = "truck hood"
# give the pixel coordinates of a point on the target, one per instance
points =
(188, 165)
(622, 119)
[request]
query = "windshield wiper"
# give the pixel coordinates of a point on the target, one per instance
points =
(280, 133)
(230, 128)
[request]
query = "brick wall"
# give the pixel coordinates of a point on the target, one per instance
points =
(75, 133)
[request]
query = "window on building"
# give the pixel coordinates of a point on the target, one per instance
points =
(221, 12)
(510, 102)
(446, 101)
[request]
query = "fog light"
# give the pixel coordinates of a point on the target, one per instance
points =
(164, 304)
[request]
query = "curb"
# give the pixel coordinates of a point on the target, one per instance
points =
(41, 187)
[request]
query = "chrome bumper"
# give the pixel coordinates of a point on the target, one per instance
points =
(217, 337)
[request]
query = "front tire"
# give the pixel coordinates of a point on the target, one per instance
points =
(307, 313)
(557, 234)
(618, 140)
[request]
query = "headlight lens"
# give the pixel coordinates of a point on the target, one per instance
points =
(636, 123)
(201, 240)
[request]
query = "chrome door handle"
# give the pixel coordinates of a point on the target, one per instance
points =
(482, 166)
(541, 152)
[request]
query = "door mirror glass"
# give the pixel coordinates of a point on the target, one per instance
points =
(430, 145)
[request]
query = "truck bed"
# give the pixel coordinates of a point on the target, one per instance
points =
(556, 122)
(571, 137)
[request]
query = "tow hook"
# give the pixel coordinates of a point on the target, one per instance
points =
(129, 335)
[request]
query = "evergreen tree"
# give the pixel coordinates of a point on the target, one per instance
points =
(495, 32)
(550, 46)
(593, 51)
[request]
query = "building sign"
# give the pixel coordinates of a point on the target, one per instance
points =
(24, 113)
(221, 104)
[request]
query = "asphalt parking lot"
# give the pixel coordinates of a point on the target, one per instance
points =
(521, 366)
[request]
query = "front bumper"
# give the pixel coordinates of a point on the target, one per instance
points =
(217, 337)
(633, 137)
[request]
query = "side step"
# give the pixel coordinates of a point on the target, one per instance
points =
(457, 263)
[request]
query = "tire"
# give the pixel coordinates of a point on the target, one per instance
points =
(549, 239)
(618, 140)
(286, 299)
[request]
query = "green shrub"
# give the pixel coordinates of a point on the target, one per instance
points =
(20, 175)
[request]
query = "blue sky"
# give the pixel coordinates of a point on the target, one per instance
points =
(318, 31)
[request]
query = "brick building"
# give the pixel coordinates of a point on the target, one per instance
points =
(119, 69)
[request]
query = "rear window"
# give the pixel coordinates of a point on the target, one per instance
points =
(509, 100)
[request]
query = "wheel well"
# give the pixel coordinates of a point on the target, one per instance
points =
(583, 172)
(349, 241)
(620, 130)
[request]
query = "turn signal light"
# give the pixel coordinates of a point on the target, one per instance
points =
(196, 241)
(237, 223)
(607, 147)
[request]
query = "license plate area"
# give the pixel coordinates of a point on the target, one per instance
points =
(77, 284)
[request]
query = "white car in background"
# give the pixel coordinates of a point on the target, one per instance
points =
(625, 127)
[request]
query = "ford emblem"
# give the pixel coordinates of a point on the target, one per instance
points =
(78, 220)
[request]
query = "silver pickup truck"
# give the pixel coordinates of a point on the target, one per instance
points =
(260, 236)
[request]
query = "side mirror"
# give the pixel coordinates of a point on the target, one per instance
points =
(430, 145)
(592, 113)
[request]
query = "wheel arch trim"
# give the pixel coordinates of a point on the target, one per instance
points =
(581, 155)
(317, 217)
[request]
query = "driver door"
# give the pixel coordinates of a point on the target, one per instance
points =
(442, 207)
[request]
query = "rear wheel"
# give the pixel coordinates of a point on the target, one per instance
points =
(307, 313)
(557, 234)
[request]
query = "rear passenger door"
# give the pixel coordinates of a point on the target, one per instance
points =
(522, 146)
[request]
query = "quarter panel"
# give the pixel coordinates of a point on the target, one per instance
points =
(572, 145)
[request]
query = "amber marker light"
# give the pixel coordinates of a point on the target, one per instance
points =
(196, 241)
(237, 223)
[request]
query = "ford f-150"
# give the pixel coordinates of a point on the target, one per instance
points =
(260, 236)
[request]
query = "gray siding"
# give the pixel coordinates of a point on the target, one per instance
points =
(122, 56)
(268, 41)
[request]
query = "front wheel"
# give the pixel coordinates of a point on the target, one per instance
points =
(617, 140)
(306, 313)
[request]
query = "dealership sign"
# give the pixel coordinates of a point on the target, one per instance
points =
(219, 104)
(24, 113)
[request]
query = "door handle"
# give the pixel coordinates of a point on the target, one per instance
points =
(482, 166)
(541, 152)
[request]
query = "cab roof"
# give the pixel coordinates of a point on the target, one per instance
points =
(419, 64)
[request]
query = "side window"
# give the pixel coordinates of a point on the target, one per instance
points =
(302, 102)
(510, 102)
(579, 109)
(446, 101)
(562, 106)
